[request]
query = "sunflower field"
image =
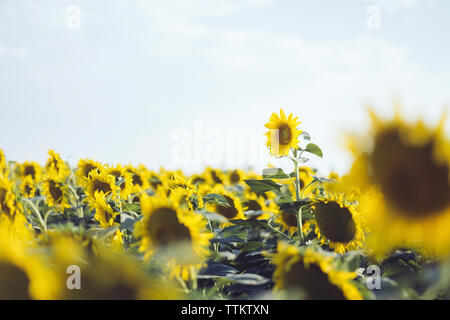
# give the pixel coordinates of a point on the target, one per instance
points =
(116, 231)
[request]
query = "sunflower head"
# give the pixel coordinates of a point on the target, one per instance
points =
(32, 169)
(55, 163)
(28, 187)
(123, 179)
(257, 204)
(55, 191)
(9, 206)
(104, 214)
(84, 168)
(233, 210)
(2, 161)
(338, 223)
(139, 178)
(100, 182)
(178, 236)
(308, 274)
(404, 178)
(283, 134)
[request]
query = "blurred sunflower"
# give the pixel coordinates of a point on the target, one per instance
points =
(405, 185)
(255, 203)
(54, 162)
(55, 191)
(176, 235)
(139, 179)
(85, 166)
(104, 214)
(9, 206)
(283, 134)
(308, 274)
(338, 223)
(234, 211)
(235, 176)
(214, 176)
(287, 218)
(32, 169)
(306, 176)
(100, 182)
(27, 187)
(2, 161)
(123, 179)
(23, 274)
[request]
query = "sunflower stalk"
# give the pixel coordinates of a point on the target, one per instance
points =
(37, 213)
(297, 194)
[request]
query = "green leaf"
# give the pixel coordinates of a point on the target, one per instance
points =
(314, 149)
(216, 199)
(305, 135)
(274, 173)
(260, 186)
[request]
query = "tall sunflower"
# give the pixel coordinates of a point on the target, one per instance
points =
(404, 180)
(338, 223)
(178, 236)
(308, 274)
(283, 134)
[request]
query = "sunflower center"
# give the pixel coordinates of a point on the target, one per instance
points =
(215, 178)
(253, 205)
(14, 283)
(166, 230)
(285, 134)
(334, 222)
(289, 219)
(137, 179)
(228, 212)
(312, 282)
(55, 191)
(409, 177)
(99, 186)
(30, 171)
(235, 177)
(87, 169)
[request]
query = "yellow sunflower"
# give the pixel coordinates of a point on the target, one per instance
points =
(235, 176)
(253, 202)
(234, 211)
(56, 191)
(308, 274)
(126, 186)
(214, 176)
(100, 182)
(104, 214)
(288, 220)
(32, 169)
(283, 134)
(139, 178)
(28, 187)
(23, 274)
(2, 161)
(85, 166)
(54, 162)
(176, 235)
(9, 206)
(338, 223)
(404, 181)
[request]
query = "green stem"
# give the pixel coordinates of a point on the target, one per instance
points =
(297, 193)
(37, 213)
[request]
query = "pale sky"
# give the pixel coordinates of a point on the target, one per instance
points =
(122, 86)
